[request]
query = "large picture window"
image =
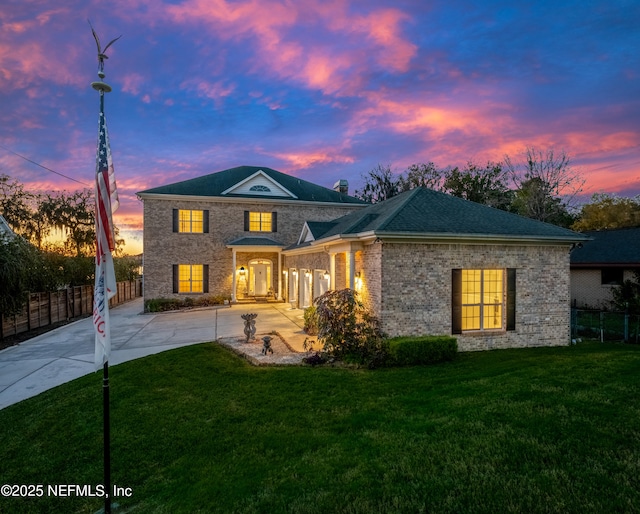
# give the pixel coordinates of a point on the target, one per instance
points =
(189, 221)
(483, 299)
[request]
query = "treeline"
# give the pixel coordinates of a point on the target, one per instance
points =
(29, 262)
(541, 185)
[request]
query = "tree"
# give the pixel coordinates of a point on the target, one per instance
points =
(486, 185)
(546, 185)
(627, 296)
(422, 175)
(15, 204)
(380, 184)
(608, 211)
(73, 214)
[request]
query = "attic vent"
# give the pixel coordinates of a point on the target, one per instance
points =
(261, 188)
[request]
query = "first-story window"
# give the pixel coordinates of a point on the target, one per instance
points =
(190, 278)
(483, 299)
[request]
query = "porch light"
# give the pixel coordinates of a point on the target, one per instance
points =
(326, 275)
(294, 273)
(307, 274)
(242, 270)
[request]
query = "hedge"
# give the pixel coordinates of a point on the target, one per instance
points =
(408, 351)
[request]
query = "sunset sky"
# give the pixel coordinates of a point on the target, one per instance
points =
(322, 89)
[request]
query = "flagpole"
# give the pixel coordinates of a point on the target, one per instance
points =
(106, 203)
(103, 88)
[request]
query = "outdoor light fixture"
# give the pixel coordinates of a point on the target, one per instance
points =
(242, 270)
(326, 275)
(294, 273)
(307, 273)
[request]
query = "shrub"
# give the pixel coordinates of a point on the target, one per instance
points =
(407, 351)
(311, 321)
(348, 331)
(161, 304)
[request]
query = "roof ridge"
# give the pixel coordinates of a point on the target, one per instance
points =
(389, 218)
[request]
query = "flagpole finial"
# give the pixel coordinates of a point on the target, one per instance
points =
(101, 85)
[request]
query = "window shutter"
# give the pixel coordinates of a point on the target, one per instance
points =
(176, 276)
(205, 221)
(274, 222)
(246, 221)
(456, 301)
(205, 278)
(176, 223)
(511, 299)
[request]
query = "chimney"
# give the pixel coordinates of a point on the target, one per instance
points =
(341, 186)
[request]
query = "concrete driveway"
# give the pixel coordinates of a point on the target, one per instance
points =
(66, 353)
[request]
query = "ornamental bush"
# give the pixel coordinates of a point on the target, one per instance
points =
(311, 321)
(348, 331)
(408, 351)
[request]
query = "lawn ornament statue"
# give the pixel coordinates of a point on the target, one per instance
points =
(249, 326)
(266, 345)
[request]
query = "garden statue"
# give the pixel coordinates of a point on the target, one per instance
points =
(266, 347)
(249, 326)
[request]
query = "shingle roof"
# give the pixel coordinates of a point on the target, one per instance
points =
(423, 211)
(254, 241)
(215, 184)
(609, 247)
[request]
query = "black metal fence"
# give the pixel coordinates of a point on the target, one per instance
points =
(605, 326)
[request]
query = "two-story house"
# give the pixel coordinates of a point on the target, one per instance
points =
(424, 262)
(223, 233)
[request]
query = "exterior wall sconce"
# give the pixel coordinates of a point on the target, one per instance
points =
(307, 274)
(242, 271)
(294, 273)
(326, 275)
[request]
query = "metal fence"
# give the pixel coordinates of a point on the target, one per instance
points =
(605, 325)
(44, 309)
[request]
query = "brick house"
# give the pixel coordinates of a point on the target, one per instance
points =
(604, 262)
(223, 233)
(427, 262)
(424, 262)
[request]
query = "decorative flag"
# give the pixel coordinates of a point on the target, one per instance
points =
(106, 196)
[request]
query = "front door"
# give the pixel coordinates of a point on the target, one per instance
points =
(260, 277)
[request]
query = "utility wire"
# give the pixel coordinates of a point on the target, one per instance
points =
(44, 167)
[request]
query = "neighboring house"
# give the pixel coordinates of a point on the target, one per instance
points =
(604, 262)
(424, 262)
(5, 230)
(223, 234)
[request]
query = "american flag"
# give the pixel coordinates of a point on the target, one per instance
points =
(106, 196)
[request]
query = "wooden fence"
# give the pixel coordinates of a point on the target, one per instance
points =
(45, 309)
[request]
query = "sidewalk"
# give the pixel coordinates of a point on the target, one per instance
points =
(66, 353)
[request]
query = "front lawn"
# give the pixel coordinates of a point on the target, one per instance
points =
(200, 430)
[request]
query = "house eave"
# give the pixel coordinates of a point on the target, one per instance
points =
(244, 200)
(433, 238)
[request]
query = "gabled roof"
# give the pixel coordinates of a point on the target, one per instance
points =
(313, 230)
(5, 229)
(238, 182)
(424, 213)
(608, 248)
(254, 241)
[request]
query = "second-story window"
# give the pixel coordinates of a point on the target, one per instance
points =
(260, 221)
(189, 221)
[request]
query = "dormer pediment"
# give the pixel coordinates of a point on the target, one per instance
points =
(259, 184)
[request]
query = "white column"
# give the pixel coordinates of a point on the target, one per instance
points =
(351, 264)
(332, 271)
(233, 276)
(279, 276)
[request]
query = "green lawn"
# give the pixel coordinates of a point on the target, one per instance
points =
(200, 430)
